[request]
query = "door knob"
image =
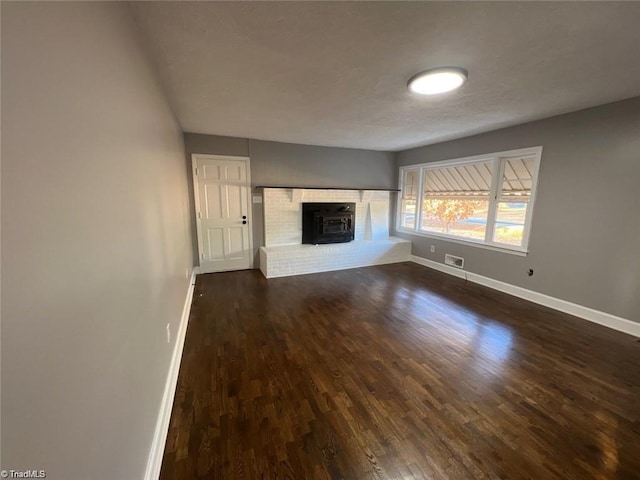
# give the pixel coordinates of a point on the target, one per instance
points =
(244, 222)
(244, 217)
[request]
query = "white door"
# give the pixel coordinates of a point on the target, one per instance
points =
(222, 189)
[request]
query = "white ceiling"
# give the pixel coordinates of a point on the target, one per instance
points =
(335, 73)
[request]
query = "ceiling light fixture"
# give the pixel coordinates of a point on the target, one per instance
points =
(437, 80)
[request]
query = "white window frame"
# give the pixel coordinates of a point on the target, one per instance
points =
(496, 186)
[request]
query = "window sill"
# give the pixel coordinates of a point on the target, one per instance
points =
(512, 251)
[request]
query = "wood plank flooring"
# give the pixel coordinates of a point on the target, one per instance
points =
(397, 372)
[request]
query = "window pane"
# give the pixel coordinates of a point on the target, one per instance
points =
(510, 217)
(409, 199)
(511, 208)
(456, 200)
(456, 217)
(517, 179)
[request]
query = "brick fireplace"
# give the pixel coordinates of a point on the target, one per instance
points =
(284, 253)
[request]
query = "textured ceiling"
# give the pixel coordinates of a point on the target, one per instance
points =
(335, 73)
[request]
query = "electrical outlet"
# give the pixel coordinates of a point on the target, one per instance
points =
(186, 272)
(433, 249)
(168, 333)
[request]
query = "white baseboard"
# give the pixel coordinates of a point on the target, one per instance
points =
(196, 271)
(595, 316)
(154, 462)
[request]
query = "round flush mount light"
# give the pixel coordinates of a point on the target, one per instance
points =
(437, 80)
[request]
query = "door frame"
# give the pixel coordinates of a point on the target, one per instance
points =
(194, 179)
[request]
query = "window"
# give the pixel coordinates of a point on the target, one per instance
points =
(485, 200)
(409, 198)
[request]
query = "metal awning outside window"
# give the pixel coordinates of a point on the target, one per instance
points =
(473, 181)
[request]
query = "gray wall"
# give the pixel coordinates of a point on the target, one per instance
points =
(586, 224)
(95, 241)
(287, 164)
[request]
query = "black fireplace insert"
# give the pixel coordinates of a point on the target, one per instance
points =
(328, 222)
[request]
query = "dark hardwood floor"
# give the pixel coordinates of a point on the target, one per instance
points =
(397, 372)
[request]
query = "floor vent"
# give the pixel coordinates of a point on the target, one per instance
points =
(454, 261)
